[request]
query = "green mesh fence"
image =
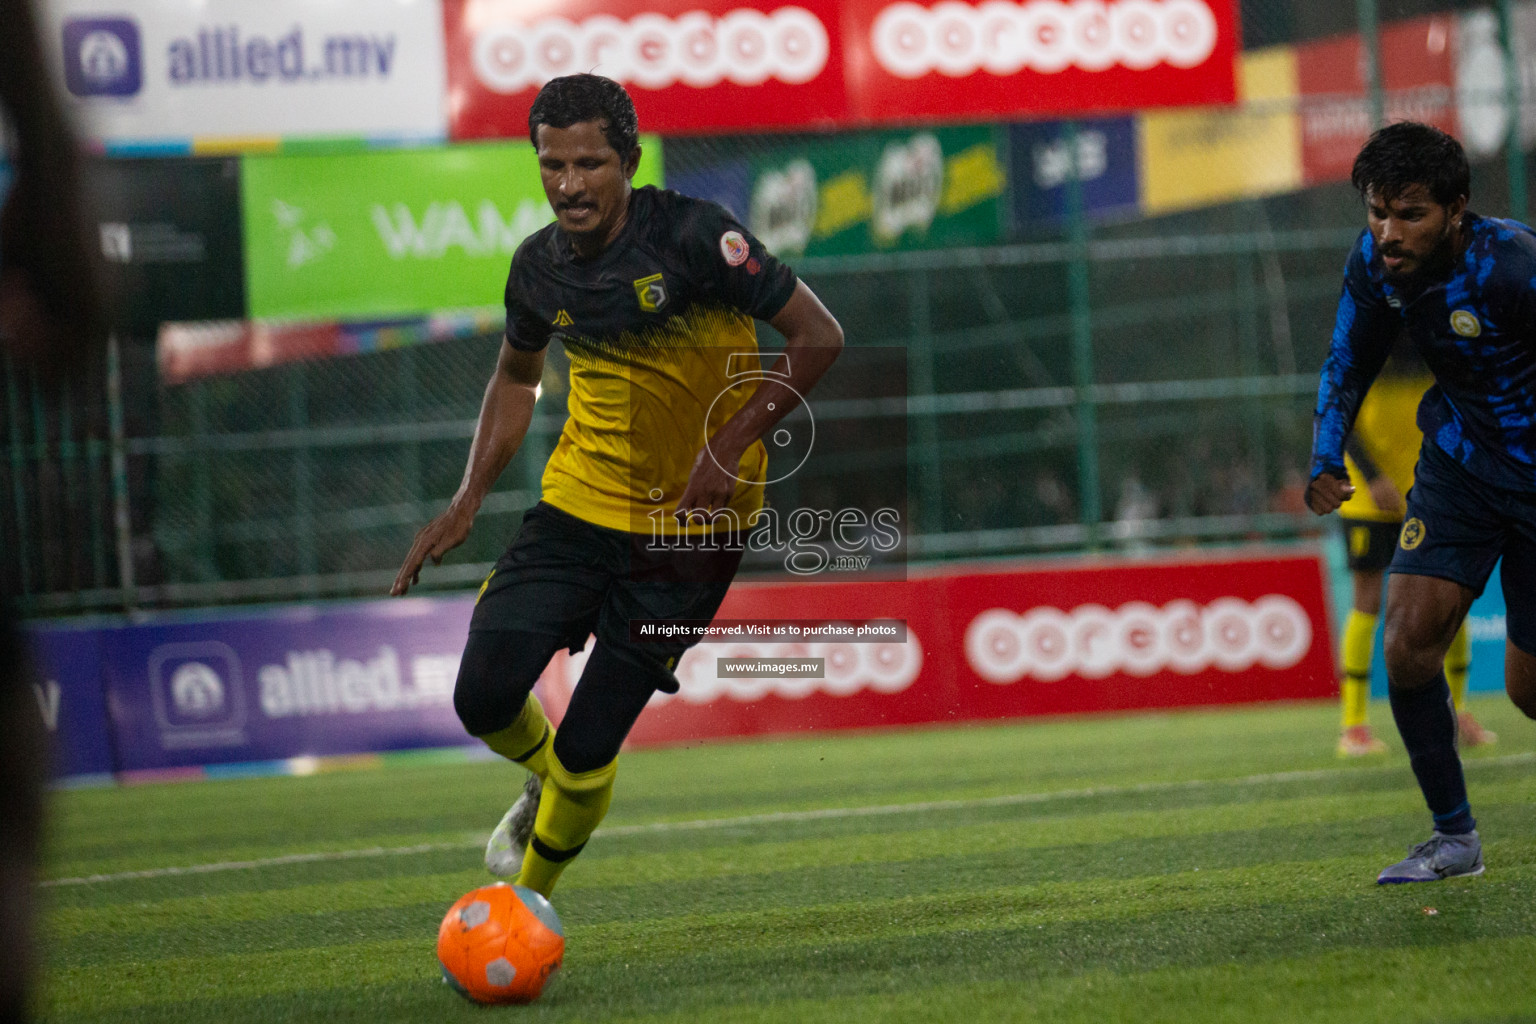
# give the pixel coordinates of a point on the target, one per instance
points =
(1091, 379)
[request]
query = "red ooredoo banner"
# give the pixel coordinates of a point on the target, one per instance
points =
(1066, 639)
(1418, 77)
(750, 64)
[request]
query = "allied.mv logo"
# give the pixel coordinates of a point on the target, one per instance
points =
(102, 57)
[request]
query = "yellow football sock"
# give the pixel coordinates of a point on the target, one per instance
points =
(1458, 663)
(1355, 660)
(569, 812)
(527, 740)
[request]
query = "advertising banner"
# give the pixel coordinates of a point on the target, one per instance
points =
(1128, 636)
(1417, 75)
(1481, 75)
(946, 647)
(1044, 156)
(734, 64)
(72, 699)
(1066, 639)
(389, 233)
(151, 74)
(953, 59)
(1200, 157)
(864, 192)
(169, 238)
(301, 681)
(754, 64)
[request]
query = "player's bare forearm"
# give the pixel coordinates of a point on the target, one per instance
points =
(813, 340)
(1327, 492)
(505, 414)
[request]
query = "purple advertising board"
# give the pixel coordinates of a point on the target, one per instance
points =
(1042, 161)
(300, 681)
(72, 699)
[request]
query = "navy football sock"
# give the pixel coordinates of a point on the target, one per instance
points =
(1427, 724)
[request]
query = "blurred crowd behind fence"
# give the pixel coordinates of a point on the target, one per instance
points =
(1112, 333)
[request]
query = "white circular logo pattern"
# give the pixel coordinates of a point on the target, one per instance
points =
(197, 691)
(1046, 36)
(1137, 638)
(652, 51)
(103, 57)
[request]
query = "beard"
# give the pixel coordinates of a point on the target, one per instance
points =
(1431, 265)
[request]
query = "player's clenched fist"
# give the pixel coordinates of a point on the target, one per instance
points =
(1327, 492)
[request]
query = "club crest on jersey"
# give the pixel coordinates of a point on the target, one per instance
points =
(562, 319)
(734, 248)
(652, 293)
(1464, 322)
(1412, 535)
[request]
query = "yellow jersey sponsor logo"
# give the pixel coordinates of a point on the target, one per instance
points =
(652, 293)
(1464, 322)
(1412, 535)
(563, 319)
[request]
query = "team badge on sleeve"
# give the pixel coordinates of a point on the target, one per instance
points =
(734, 248)
(1412, 535)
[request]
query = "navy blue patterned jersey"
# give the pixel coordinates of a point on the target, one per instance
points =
(1476, 329)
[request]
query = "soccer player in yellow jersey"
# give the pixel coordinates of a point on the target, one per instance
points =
(1379, 455)
(654, 296)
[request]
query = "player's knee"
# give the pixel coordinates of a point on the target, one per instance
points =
(1412, 663)
(585, 750)
(1520, 678)
(496, 674)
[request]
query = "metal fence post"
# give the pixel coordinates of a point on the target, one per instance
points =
(1370, 41)
(1514, 154)
(1090, 499)
(121, 517)
(930, 472)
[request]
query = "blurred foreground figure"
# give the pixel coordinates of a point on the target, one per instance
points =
(1380, 454)
(657, 475)
(1461, 286)
(49, 321)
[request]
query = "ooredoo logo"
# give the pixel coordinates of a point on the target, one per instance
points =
(1047, 36)
(653, 51)
(1139, 639)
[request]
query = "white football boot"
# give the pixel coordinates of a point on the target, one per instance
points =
(504, 851)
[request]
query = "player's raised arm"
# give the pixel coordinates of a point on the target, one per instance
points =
(505, 413)
(813, 340)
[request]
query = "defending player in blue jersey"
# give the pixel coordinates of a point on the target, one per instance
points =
(1464, 289)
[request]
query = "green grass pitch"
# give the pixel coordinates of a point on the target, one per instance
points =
(1203, 866)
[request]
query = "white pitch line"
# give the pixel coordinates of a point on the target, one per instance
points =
(777, 817)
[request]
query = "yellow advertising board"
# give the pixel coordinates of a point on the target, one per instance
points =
(1212, 155)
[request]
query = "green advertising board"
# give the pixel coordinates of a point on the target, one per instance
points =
(862, 192)
(391, 232)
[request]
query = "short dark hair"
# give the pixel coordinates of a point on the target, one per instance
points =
(1408, 153)
(575, 98)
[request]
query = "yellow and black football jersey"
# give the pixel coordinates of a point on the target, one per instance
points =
(1385, 439)
(663, 348)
